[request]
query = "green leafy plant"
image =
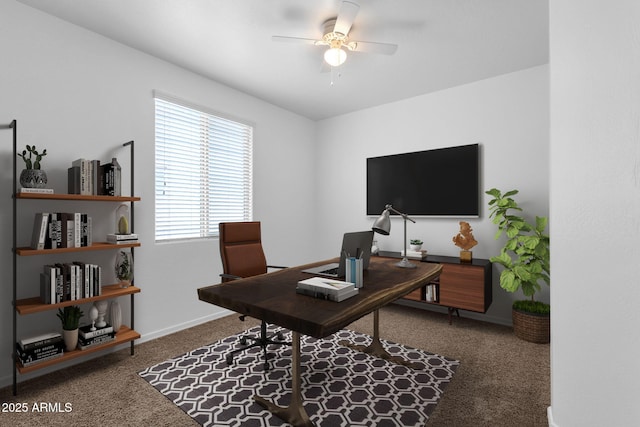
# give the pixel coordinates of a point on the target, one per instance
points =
(415, 242)
(70, 317)
(31, 162)
(525, 255)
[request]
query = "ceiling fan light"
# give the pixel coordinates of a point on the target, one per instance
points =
(335, 56)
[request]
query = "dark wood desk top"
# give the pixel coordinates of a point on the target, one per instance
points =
(272, 297)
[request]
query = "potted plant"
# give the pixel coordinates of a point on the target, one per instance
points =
(415, 245)
(70, 318)
(525, 258)
(32, 176)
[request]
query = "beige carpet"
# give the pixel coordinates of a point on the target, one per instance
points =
(501, 381)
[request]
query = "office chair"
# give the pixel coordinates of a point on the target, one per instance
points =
(242, 256)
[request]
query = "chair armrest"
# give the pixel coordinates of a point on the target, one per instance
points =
(275, 266)
(229, 276)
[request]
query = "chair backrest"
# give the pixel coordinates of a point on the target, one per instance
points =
(241, 249)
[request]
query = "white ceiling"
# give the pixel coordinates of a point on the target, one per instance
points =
(441, 44)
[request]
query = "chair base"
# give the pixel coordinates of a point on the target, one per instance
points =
(260, 341)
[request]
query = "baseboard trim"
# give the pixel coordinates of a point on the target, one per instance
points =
(552, 423)
(181, 326)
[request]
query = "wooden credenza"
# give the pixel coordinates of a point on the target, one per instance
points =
(461, 285)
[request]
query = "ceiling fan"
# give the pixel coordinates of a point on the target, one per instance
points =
(336, 37)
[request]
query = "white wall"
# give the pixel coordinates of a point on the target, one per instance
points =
(78, 95)
(507, 115)
(595, 211)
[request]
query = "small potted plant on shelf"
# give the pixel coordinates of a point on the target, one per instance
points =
(525, 258)
(70, 318)
(32, 176)
(415, 245)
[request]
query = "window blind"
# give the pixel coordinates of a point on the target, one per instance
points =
(203, 173)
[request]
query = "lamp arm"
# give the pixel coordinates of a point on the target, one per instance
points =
(389, 207)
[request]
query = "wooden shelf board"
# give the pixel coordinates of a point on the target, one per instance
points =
(61, 196)
(124, 335)
(96, 246)
(35, 305)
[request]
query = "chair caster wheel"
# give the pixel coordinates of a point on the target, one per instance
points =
(280, 336)
(243, 340)
(229, 359)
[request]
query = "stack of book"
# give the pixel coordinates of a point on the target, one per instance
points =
(61, 230)
(89, 177)
(88, 338)
(120, 239)
(70, 281)
(328, 289)
(30, 351)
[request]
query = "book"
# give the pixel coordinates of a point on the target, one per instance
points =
(86, 332)
(54, 240)
(118, 237)
(24, 190)
(73, 180)
(414, 254)
(40, 228)
(37, 340)
(83, 166)
(83, 344)
(326, 286)
(40, 351)
(95, 177)
(28, 361)
(328, 296)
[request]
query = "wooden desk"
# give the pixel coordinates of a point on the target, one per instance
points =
(271, 297)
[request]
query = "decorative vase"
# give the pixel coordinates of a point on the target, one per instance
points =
(415, 248)
(70, 339)
(124, 268)
(33, 178)
(115, 315)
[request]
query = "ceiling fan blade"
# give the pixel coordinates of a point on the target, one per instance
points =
(375, 47)
(346, 16)
(294, 39)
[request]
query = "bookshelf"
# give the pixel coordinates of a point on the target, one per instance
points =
(32, 305)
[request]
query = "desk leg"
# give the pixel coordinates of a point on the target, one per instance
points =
(294, 414)
(376, 348)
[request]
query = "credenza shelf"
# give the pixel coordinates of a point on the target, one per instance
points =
(461, 285)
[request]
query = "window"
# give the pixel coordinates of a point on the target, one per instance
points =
(203, 171)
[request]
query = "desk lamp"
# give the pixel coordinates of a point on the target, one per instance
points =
(383, 226)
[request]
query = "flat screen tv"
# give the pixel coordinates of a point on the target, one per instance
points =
(442, 182)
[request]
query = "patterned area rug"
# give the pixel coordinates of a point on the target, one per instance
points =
(340, 386)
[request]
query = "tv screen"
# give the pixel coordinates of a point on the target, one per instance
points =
(440, 182)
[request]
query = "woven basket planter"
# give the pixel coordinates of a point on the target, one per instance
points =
(532, 327)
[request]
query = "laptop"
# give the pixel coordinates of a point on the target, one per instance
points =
(356, 244)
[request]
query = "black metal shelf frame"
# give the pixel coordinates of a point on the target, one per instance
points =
(14, 125)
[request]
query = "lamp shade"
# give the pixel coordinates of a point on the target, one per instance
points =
(383, 223)
(335, 56)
